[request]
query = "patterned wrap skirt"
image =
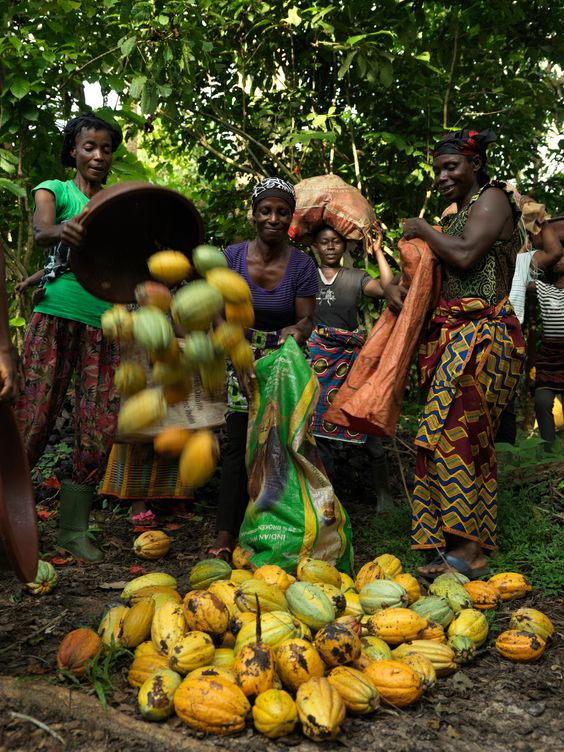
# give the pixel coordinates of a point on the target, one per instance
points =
(471, 362)
(333, 352)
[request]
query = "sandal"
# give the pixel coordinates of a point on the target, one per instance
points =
(456, 564)
(220, 552)
(145, 520)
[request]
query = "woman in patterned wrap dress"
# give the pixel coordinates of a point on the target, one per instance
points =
(470, 359)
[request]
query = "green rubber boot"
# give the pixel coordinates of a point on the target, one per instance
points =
(74, 514)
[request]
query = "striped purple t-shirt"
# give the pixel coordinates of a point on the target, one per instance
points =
(274, 309)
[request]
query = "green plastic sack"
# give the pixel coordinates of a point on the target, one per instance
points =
(293, 511)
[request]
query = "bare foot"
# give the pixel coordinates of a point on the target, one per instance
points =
(223, 546)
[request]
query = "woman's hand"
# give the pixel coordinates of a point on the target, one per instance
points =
(7, 376)
(292, 331)
(395, 295)
(414, 228)
(72, 233)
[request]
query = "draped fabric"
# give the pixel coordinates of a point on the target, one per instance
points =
(333, 352)
(135, 471)
(471, 362)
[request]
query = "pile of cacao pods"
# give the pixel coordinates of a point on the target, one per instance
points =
(308, 648)
(192, 309)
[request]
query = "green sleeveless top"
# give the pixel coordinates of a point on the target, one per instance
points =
(490, 279)
(64, 296)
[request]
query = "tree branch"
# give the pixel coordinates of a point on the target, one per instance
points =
(451, 72)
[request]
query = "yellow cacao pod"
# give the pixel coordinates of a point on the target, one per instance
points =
(484, 595)
(205, 612)
(152, 545)
(238, 576)
(356, 689)
(321, 709)
(141, 411)
(168, 626)
(521, 646)
(145, 666)
(225, 590)
(110, 626)
(337, 644)
(510, 585)
(531, 620)
(230, 284)
(275, 713)
(272, 574)
(390, 564)
(152, 580)
(198, 459)
(297, 661)
(223, 658)
(423, 666)
(317, 570)
(129, 379)
(396, 682)
(441, 656)
(240, 313)
(395, 625)
(136, 626)
(369, 572)
(210, 671)
(410, 585)
(276, 626)
(472, 624)
(155, 698)
(169, 266)
(191, 651)
(171, 441)
(269, 597)
(212, 704)
(254, 669)
(241, 558)
(227, 336)
(117, 324)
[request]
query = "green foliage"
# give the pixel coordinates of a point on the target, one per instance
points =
(214, 94)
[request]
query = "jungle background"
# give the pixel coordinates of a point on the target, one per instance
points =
(212, 95)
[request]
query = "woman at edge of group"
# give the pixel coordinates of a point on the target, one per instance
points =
(334, 346)
(283, 283)
(64, 335)
(470, 360)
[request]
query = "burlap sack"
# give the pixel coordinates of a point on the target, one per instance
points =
(370, 399)
(327, 199)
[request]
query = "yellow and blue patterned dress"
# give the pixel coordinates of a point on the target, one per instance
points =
(471, 361)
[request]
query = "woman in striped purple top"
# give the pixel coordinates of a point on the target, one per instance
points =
(283, 283)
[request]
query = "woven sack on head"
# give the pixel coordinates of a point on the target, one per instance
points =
(328, 200)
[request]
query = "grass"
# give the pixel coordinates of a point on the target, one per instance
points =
(530, 517)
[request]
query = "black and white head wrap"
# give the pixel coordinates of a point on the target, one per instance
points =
(276, 188)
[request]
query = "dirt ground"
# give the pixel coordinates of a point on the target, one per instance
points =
(491, 704)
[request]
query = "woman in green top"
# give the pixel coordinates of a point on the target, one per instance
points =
(64, 337)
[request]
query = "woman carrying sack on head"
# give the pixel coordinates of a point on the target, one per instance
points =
(64, 337)
(471, 359)
(335, 343)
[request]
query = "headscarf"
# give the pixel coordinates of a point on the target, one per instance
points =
(465, 142)
(275, 188)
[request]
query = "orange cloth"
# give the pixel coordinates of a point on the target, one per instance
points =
(370, 399)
